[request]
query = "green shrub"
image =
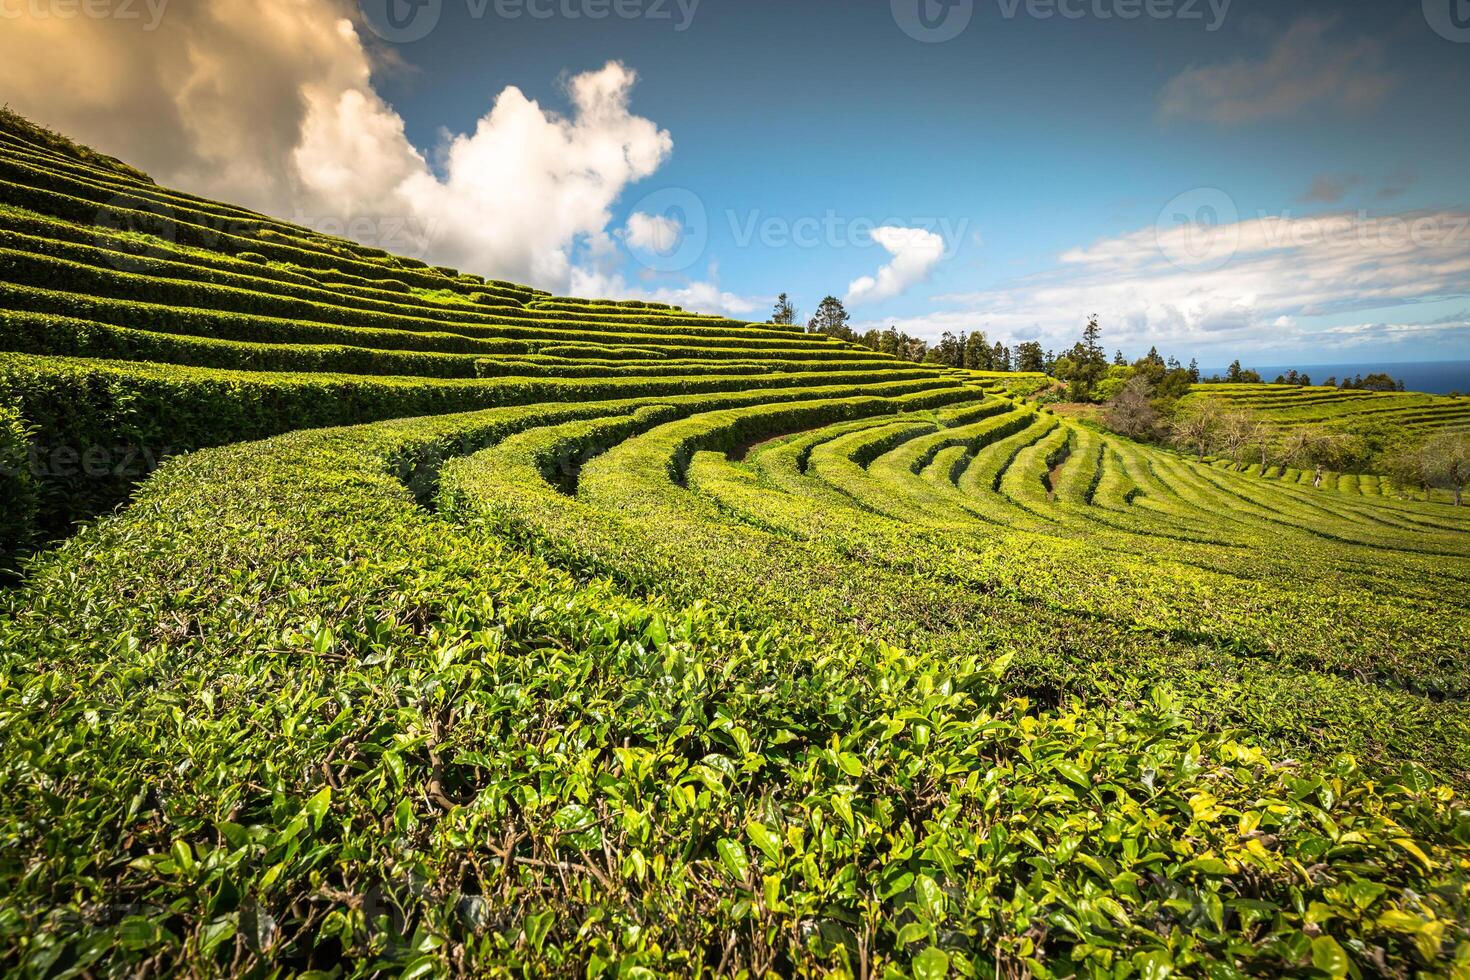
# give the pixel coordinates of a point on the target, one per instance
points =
(254, 258)
(17, 486)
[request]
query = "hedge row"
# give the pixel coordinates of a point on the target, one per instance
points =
(244, 327)
(17, 131)
(130, 208)
(101, 426)
(17, 486)
(58, 274)
(159, 260)
(94, 245)
(45, 334)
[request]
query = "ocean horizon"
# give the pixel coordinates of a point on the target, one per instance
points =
(1430, 377)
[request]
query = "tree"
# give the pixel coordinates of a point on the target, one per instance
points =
(1411, 468)
(1168, 389)
(784, 312)
(1030, 358)
(1000, 358)
(1378, 382)
(1194, 428)
(1237, 433)
(977, 352)
(1449, 463)
(1193, 371)
(1091, 335)
(891, 342)
(831, 319)
(1085, 364)
(1119, 360)
(1131, 412)
(1314, 446)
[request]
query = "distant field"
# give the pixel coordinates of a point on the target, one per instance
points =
(1417, 413)
(1434, 377)
(472, 630)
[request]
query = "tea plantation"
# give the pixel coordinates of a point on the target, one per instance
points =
(468, 629)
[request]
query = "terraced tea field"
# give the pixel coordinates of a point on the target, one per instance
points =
(1414, 412)
(471, 629)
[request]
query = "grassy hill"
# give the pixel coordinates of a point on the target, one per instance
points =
(1413, 412)
(470, 629)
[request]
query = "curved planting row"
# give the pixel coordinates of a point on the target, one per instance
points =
(678, 647)
(1347, 408)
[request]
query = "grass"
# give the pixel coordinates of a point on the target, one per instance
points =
(556, 636)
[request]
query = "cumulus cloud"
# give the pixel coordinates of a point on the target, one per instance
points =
(915, 252)
(653, 232)
(1277, 274)
(270, 104)
(1304, 68)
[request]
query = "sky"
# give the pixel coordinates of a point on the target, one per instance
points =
(1280, 182)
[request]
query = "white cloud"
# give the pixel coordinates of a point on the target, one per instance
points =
(915, 252)
(1303, 69)
(698, 296)
(653, 232)
(1277, 273)
(270, 104)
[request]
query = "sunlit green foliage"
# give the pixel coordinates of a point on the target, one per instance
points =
(666, 644)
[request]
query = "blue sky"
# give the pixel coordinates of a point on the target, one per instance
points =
(1020, 139)
(1284, 181)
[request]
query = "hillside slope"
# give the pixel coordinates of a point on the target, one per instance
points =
(491, 631)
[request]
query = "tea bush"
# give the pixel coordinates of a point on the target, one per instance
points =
(465, 629)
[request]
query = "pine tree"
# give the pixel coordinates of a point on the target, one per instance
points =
(831, 319)
(784, 312)
(977, 352)
(1030, 357)
(1091, 334)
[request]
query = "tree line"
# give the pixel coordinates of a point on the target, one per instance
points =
(1085, 369)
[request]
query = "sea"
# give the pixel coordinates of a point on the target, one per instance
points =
(1431, 377)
